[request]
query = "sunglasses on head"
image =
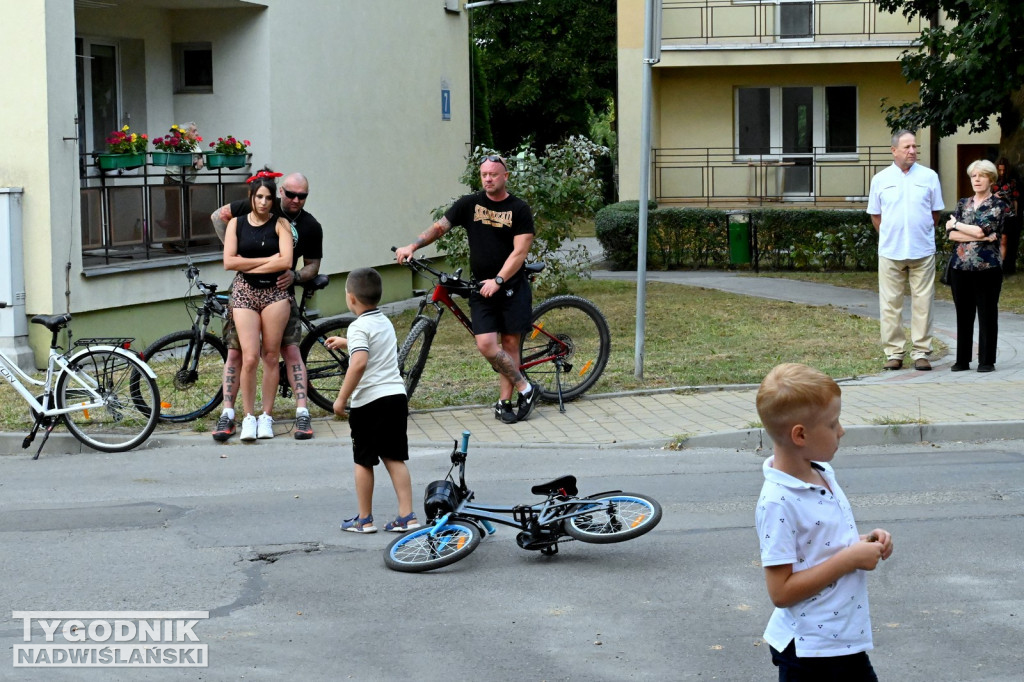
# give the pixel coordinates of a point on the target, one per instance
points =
(496, 159)
(301, 196)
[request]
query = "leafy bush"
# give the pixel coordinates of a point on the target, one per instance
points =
(617, 227)
(815, 239)
(694, 237)
(561, 186)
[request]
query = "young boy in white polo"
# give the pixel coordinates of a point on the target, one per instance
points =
(380, 412)
(814, 561)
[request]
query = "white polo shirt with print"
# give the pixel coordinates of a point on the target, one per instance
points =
(803, 524)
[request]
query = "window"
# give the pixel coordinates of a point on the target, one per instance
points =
(753, 106)
(193, 67)
(841, 120)
(777, 121)
(795, 19)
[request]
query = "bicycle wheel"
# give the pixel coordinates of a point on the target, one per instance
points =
(614, 517)
(568, 345)
(325, 368)
(190, 386)
(412, 356)
(419, 551)
(130, 399)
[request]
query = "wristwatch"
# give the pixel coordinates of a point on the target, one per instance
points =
(499, 280)
(295, 276)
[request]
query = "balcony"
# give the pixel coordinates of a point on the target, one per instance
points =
(696, 24)
(140, 218)
(720, 177)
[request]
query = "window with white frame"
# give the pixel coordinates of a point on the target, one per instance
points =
(782, 121)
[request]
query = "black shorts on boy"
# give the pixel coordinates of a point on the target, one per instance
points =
(379, 430)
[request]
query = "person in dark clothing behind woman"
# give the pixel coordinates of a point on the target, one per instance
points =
(259, 247)
(977, 276)
(1006, 189)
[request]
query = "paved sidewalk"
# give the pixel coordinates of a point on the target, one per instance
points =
(890, 407)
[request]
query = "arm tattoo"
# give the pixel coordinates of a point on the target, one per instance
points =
(504, 365)
(433, 233)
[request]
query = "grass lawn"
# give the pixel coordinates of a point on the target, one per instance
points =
(694, 336)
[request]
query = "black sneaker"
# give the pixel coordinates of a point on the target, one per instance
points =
(225, 428)
(526, 403)
(303, 427)
(503, 411)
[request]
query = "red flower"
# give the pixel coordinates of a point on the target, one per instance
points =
(246, 142)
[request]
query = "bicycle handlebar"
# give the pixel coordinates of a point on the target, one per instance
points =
(453, 280)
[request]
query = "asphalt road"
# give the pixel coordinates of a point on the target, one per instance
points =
(252, 536)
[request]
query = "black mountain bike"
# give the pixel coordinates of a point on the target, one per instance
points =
(457, 524)
(189, 364)
(565, 351)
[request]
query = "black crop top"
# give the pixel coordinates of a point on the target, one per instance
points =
(258, 242)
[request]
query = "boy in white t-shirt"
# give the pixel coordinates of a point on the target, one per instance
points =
(814, 561)
(379, 413)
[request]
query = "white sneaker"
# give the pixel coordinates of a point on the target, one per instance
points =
(265, 426)
(248, 428)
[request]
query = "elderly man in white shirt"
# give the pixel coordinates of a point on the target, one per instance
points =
(904, 204)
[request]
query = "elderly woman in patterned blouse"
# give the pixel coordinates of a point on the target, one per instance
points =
(976, 279)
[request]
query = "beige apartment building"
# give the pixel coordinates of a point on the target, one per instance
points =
(773, 103)
(369, 99)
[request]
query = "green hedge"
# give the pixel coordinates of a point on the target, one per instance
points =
(617, 227)
(793, 239)
(813, 239)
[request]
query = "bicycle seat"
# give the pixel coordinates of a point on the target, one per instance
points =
(316, 284)
(566, 484)
(53, 322)
(533, 268)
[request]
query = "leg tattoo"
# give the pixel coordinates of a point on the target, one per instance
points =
(297, 379)
(504, 365)
(230, 386)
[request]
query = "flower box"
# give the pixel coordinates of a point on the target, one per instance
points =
(172, 158)
(114, 161)
(215, 160)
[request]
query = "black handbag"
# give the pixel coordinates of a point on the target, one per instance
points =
(947, 273)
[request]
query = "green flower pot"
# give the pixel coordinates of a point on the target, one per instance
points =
(215, 160)
(114, 161)
(172, 158)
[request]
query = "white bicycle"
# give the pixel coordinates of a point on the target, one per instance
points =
(105, 394)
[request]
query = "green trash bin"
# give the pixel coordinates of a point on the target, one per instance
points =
(739, 243)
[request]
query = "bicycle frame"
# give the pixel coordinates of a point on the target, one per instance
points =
(540, 517)
(441, 295)
(15, 377)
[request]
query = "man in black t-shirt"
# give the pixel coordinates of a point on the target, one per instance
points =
(307, 238)
(500, 231)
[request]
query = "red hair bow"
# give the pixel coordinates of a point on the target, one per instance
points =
(264, 174)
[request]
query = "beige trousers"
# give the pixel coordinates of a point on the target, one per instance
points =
(893, 277)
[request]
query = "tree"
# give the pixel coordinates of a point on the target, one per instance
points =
(969, 72)
(550, 65)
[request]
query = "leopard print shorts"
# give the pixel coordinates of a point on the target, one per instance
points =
(244, 295)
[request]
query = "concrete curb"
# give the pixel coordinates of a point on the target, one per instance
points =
(873, 435)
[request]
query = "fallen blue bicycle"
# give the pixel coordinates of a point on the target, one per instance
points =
(456, 525)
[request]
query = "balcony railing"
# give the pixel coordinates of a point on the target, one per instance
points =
(721, 177)
(744, 22)
(143, 215)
